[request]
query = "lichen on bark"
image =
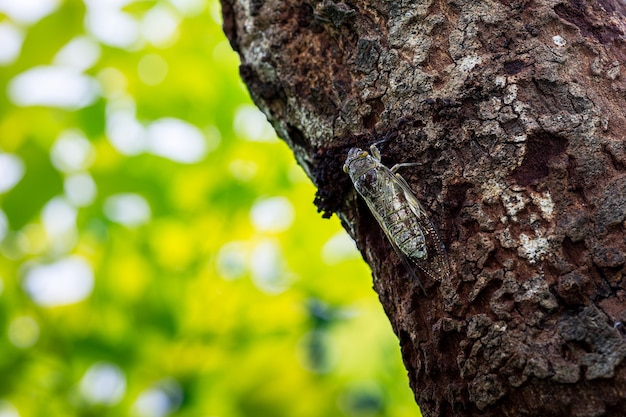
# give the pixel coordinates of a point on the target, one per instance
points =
(514, 110)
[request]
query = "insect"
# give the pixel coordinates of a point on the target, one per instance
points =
(398, 212)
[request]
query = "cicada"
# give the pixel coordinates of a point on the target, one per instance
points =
(398, 212)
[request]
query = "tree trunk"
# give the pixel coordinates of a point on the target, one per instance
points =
(514, 110)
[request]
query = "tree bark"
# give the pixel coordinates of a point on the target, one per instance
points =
(514, 110)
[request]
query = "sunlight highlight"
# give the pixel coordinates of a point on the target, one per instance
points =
(52, 86)
(159, 26)
(72, 152)
(232, 260)
(4, 225)
(110, 25)
(189, 8)
(67, 281)
(251, 124)
(7, 409)
(275, 214)
(159, 401)
(80, 53)
(128, 209)
(80, 189)
(103, 383)
(11, 171)
(59, 221)
(267, 268)
(11, 39)
(340, 247)
(28, 11)
(176, 140)
(124, 131)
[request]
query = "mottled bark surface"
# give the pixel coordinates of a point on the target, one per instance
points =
(515, 110)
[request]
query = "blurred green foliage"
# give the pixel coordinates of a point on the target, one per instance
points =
(147, 272)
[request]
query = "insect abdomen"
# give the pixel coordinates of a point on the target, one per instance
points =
(406, 233)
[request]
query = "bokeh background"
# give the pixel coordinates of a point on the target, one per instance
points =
(159, 250)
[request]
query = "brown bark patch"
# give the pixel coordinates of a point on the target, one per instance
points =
(580, 15)
(540, 150)
(514, 67)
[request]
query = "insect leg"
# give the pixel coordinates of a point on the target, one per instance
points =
(374, 149)
(375, 152)
(396, 167)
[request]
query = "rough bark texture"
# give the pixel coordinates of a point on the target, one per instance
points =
(515, 110)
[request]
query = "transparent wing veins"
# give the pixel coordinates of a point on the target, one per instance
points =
(436, 263)
(401, 255)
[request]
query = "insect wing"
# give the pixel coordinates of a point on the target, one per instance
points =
(436, 263)
(387, 182)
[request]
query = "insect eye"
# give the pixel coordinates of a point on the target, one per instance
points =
(363, 154)
(345, 168)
